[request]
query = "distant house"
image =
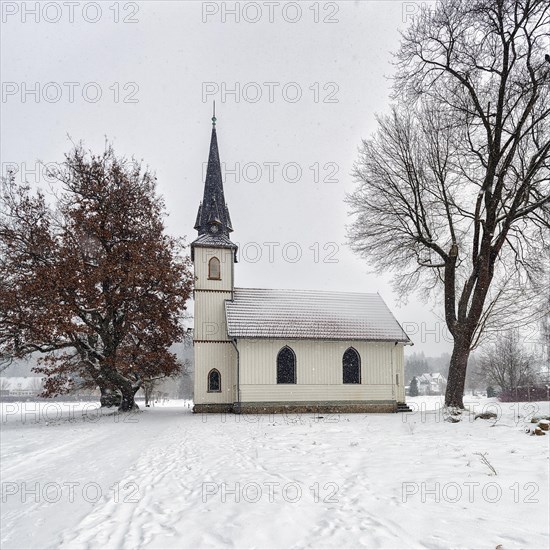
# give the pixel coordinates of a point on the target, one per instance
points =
(21, 386)
(431, 383)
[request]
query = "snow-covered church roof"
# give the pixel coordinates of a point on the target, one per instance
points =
(311, 314)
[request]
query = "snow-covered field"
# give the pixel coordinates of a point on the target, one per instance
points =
(165, 478)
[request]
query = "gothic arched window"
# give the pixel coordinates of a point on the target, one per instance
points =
(286, 366)
(214, 268)
(351, 367)
(214, 381)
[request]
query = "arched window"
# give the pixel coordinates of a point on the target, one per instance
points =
(214, 381)
(214, 268)
(351, 366)
(286, 366)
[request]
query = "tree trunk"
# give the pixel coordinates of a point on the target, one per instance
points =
(110, 397)
(128, 392)
(457, 373)
(125, 390)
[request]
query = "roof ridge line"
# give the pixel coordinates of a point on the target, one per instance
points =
(309, 290)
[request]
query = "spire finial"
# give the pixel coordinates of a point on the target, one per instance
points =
(214, 114)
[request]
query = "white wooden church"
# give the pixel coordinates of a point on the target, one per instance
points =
(262, 350)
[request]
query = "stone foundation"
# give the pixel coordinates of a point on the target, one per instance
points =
(213, 408)
(329, 407)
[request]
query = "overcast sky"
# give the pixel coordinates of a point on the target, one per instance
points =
(297, 86)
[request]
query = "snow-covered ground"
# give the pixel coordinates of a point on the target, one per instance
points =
(165, 478)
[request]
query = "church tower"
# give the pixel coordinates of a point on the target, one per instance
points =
(214, 256)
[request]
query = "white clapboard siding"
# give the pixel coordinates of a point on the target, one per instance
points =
(210, 330)
(312, 393)
(400, 370)
(210, 323)
(318, 357)
(215, 356)
(202, 257)
(319, 370)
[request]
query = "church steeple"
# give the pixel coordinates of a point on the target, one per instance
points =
(213, 221)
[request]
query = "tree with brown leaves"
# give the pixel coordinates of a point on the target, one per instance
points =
(92, 281)
(454, 188)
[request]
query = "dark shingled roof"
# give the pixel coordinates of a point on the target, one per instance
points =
(213, 211)
(219, 241)
(311, 314)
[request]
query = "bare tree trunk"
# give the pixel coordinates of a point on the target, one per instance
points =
(457, 372)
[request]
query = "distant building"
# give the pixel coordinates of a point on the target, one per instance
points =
(431, 383)
(21, 386)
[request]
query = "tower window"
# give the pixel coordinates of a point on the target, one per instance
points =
(351, 366)
(286, 366)
(214, 269)
(214, 381)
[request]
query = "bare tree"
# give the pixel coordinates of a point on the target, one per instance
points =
(454, 188)
(506, 364)
(545, 324)
(543, 349)
(476, 379)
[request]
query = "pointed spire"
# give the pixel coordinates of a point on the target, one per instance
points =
(213, 222)
(213, 210)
